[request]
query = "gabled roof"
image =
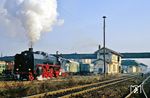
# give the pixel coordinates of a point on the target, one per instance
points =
(108, 50)
(143, 65)
(79, 56)
(129, 63)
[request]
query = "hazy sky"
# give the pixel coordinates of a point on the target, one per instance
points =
(127, 28)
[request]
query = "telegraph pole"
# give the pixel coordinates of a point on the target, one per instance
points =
(104, 45)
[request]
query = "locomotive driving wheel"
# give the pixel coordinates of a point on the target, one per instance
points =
(31, 77)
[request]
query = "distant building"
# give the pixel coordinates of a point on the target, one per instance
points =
(2, 66)
(132, 66)
(9, 62)
(112, 61)
(143, 67)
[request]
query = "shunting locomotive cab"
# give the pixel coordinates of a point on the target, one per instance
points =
(31, 65)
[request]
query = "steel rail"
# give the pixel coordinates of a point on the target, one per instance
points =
(142, 84)
(78, 88)
(143, 87)
(92, 89)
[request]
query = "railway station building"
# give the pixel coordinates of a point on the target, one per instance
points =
(112, 61)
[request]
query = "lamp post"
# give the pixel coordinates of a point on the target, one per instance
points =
(104, 17)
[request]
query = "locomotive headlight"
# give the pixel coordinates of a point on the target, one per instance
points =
(29, 69)
(17, 69)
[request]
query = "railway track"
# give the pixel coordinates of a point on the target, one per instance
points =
(79, 90)
(141, 86)
(14, 84)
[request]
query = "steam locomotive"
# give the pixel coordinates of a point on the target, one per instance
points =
(37, 65)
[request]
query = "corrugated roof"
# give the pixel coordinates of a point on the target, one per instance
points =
(129, 63)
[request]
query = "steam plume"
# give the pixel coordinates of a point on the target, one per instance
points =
(34, 16)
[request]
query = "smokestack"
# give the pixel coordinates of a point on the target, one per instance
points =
(99, 47)
(31, 46)
(31, 49)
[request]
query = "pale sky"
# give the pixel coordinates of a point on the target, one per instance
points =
(127, 28)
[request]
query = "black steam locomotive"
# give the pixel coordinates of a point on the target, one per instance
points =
(29, 65)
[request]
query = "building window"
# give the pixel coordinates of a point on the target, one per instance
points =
(109, 68)
(114, 68)
(118, 58)
(86, 61)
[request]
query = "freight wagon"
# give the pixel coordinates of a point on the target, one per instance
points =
(71, 67)
(86, 68)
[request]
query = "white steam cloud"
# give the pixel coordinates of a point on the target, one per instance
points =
(33, 16)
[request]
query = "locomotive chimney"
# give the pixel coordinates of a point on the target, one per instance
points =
(31, 49)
